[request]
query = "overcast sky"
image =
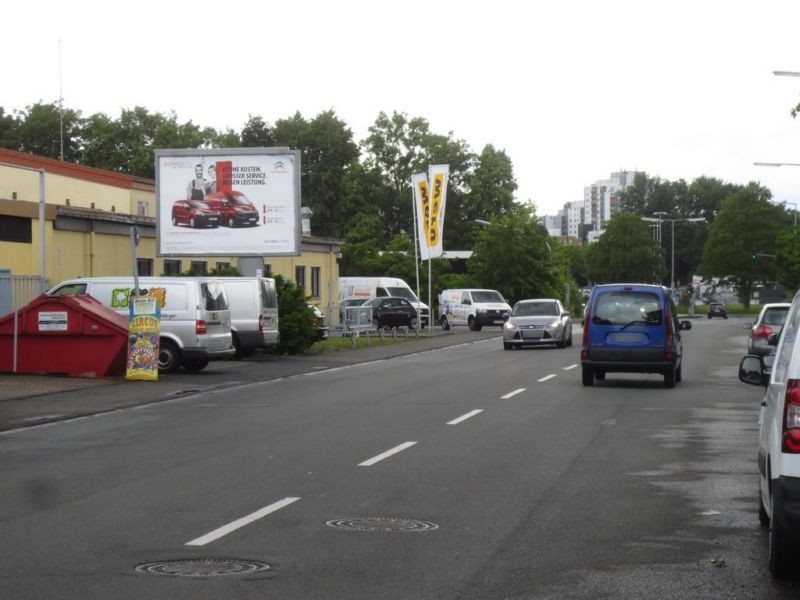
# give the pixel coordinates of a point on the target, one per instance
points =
(572, 91)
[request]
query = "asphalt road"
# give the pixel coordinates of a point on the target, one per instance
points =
(458, 473)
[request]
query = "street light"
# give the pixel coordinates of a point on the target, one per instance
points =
(672, 259)
(782, 164)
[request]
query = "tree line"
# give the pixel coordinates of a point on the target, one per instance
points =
(359, 192)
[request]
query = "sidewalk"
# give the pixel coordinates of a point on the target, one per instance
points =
(33, 399)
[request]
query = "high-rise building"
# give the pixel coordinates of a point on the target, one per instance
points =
(600, 200)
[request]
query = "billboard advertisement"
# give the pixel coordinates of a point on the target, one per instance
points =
(228, 202)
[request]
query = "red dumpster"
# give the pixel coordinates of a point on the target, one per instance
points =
(73, 335)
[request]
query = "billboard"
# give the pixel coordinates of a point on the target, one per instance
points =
(228, 202)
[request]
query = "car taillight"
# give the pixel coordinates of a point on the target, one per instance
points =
(260, 323)
(791, 417)
(200, 326)
(668, 339)
(762, 331)
(585, 343)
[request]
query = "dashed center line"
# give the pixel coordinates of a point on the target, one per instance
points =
(570, 367)
(233, 526)
(545, 378)
(512, 394)
(387, 454)
(462, 418)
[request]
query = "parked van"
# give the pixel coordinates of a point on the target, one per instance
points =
(380, 287)
(632, 328)
(253, 303)
(473, 308)
(195, 318)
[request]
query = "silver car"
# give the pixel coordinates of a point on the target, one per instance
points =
(770, 320)
(537, 321)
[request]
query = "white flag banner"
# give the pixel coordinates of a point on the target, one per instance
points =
(437, 181)
(419, 183)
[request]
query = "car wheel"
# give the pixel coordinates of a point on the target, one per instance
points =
(445, 324)
(780, 555)
(192, 223)
(709, 316)
(569, 339)
(507, 346)
(473, 324)
(669, 378)
(169, 357)
(679, 374)
(174, 221)
(193, 366)
(376, 324)
(600, 375)
(231, 222)
(412, 323)
(763, 517)
(588, 376)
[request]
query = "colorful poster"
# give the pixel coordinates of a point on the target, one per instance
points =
(144, 329)
(228, 202)
(430, 194)
(419, 184)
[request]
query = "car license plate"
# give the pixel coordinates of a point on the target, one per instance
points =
(498, 321)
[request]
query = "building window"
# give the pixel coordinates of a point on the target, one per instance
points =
(315, 279)
(172, 267)
(145, 266)
(142, 208)
(222, 266)
(200, 267)
(268, 270)
(15, 229)
(300, 277)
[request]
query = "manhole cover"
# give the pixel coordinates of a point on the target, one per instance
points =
(382, 524)
(202, 567)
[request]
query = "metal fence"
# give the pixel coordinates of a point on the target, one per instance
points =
(18, 290)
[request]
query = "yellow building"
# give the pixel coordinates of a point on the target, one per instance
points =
(88, 215)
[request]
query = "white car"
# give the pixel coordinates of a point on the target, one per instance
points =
(779, 443)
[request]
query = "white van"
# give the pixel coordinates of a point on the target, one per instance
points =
(380, 287)
(253, 302)
(195, 318)
(473, 308)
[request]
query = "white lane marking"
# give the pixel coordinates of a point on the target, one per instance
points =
(512, 394)
(233, 526)
(387, 454)
(570, 367)
(545, 378)
(463, 418)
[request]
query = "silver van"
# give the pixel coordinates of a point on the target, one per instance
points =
(253, 302)
(195, 318)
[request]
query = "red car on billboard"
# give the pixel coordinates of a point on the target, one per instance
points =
(235, 209)
(194, 213)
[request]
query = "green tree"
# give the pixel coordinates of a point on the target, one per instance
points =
(39, 131)
(257, 134)
(787, 259)
(296, 325)
(747, 225)
(626, 253)
(514, 255)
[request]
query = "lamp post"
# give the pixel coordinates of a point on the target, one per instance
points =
(782, 164)
(660, 219)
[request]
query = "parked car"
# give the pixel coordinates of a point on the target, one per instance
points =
(235, 209)
(323, 331)
(779, 442)
(770, 320)
(537, 321)
(473, 308)
(379, 287)
(632, 328)
(194, 213)
(195, 314)
(388, 313)
(717, 309)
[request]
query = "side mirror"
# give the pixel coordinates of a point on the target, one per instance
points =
(772, 340)
(686, 325)
(751, 371)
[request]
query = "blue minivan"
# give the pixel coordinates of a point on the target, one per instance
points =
(631, 328)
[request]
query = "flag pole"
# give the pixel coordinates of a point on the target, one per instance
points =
(416, 250)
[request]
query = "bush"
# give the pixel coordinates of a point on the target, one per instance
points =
(297, 328)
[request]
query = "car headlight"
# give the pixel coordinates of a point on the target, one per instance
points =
(553, 325)
(509, 326)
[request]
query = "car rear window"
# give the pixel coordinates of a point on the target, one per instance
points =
(627, 308)
(775, 316)
(214, 296)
